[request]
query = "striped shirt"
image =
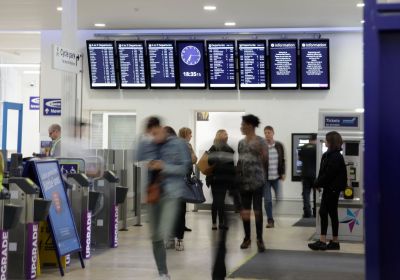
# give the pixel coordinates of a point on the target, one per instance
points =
(272, 162)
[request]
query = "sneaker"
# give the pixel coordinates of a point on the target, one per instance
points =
(170, 244)
(188, 229)
(318, 245)
(333, 245)
(271, 224)
(260, 246)
(245, 244)
(179, 245)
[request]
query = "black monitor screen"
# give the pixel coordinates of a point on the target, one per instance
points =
(283, 64)
(131, 64)
(101, 64)
(252, 57)
(162, 64)
(221, 64)
(351, 148)
(191, 64)
(314, 56)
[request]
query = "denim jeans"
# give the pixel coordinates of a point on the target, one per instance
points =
(271, 184)
(162, 216)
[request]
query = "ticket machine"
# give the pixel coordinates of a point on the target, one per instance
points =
(350, 125)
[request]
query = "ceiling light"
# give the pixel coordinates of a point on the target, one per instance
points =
(100, 24)
(360, 110)
(362, 22)
(210, 8)
(230, 23)
(59, 9)
(360, 5)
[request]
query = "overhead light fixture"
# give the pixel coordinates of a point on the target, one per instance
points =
(362, 22)
(210, 8)
(230, 23)
(59, 9)
(360, 110)
(100, 24)
(360, 5)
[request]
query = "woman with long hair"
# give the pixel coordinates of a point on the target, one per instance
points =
(332, 178)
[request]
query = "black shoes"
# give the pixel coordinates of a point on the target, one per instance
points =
(307, 216)
(270, 224)
(187, 229)
(260, 246)
(223, 227)
(333, 245)
(318, 245)
(245, 244)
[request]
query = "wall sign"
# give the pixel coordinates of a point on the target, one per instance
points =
(67, 60)
(34, 103)
(52, 107)
(334, 121)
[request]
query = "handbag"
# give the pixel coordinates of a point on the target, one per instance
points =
(193, 190)
(154, 191)
(203, 165)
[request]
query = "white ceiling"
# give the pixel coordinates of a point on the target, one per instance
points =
(149, 14)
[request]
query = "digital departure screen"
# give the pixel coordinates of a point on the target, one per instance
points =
(191, 64)
(221, 64)
(252, 66)
(283, 64)
(132, 64)
(101, 64)
(162, 64)
(314, 55)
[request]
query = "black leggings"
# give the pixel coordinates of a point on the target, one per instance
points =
(254, 196)
(329, 206)
(180, 220)
(218, 204)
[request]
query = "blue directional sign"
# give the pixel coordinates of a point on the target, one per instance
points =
(52, 107)
(34, 103)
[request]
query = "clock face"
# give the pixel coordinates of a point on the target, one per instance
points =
(190, 55)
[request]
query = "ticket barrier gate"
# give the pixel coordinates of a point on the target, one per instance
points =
(23, 238)
(83, 202)
(105, 215)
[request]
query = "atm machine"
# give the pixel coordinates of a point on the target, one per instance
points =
(350, 124)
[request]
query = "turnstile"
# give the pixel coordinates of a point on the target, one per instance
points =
(105, 215)
(23, 238)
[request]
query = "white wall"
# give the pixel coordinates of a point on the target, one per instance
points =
(287, 111)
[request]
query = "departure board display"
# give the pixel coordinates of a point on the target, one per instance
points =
(314, 56)
(162, 64)
(252, 66)
(221, 64)
(283, 64)
(101, 64)
(191, 64)
(132, 72)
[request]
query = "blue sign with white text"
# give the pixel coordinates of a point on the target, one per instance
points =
(60, 215)
(341, 121)
(221, 64)
(252, 56)
(52, 107)
(283, 63)
(34, 103)
(314, 55)
(191, 64)
(162, 64)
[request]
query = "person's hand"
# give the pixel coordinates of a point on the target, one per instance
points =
(156, 165)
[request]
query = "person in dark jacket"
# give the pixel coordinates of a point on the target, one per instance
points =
(221, 158)
(332, 178)
(308, 158)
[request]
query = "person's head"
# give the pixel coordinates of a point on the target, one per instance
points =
(249, 124)
(170, 131)
(185, 133)
(221, 137)
(154, 128)
(313, 138)
(333, 141)
(54, 131)
(269, 133)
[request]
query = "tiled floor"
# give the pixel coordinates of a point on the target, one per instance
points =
(133, 258)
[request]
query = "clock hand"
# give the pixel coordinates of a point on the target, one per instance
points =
(190, 56)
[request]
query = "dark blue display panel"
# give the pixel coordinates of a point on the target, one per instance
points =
(191, 64)
(162, 64)
(132, 72)
(314, 55)
(101, 64)
(221, 64)
(61, 219)
(283, 64)
(252, 66)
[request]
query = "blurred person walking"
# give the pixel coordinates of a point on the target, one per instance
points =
(275, 172)
(251, 175)
(55, 135)
(168, 163)
(332, 178)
